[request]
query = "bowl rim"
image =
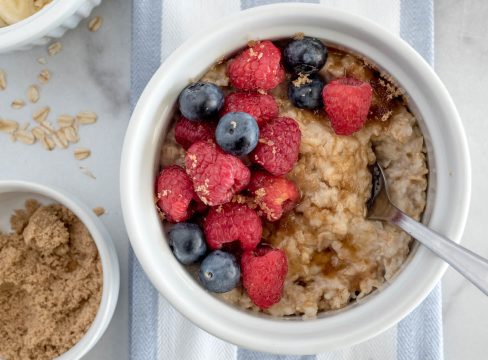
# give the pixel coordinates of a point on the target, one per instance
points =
(39, 24)
(276, 335)
(106, 250)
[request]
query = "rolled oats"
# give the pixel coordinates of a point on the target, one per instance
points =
(95, 24)
(47, 127)
(25, 137)
(18, 104)
(60, 140)
(33, 93)
(82, 153)
(3, 80)
(54, 48)
(47, 143)
(71, 134)
(41, 114)
(44, 76)
(65, 120)
(8, 126)
(38, 133)
(86, 117)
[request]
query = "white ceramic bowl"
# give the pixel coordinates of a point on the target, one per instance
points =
(13, 195)
(448, 198)
(50, 22)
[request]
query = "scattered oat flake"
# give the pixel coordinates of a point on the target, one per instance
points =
(65, 120)
(25, 137)
(99, 211)
(71, 134)
(47, 143)
(299, 36)
(95, 24)
(41, 114)
(8, 126)
(87, 172)
(44, 76)
(33, 94)
(18, 104)
(86, 117)
(60, 141)
(82, 153)
(42, 60)
(54, 48)
(3, 80)
(25, 126)
(38, 133)
(47, 127)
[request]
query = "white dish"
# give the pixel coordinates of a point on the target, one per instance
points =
(49, 23)
(13, 195)
(449, 182)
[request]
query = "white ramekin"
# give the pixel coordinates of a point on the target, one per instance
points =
(49, 23)
(449, 187)
(13, 195)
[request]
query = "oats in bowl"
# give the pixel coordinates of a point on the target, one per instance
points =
(334, 255)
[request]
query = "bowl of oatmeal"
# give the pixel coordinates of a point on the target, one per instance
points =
(60, 274)
(347, 278)
(25, 23)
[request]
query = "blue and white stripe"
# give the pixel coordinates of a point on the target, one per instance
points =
(157, 331)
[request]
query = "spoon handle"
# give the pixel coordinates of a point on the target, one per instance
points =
(472, 266)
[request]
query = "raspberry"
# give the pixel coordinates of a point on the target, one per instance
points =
(257, 67)
(263, 275)
(274, 195)
(232, 222)
(347, 102)
(262, 107)
(174, 191)
(188, 132)
(216, 176)
(278, 147)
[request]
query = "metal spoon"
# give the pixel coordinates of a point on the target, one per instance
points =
(473, 267)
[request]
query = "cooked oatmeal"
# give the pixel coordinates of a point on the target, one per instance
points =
(334, 254)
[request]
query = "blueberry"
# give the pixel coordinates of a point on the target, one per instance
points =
(187, 242)
(219, 272)
(201, 101)
(237, 133)
(307, 95)
(306, 56)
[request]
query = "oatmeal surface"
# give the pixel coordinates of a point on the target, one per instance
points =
(334, 254)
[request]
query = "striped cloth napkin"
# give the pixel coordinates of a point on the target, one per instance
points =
(157, 331)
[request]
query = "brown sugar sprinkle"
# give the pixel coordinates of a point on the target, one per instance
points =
(298, 36)
(95, 24)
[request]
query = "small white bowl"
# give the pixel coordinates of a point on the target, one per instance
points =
(50, 22)
(448, 193)
(13, 195)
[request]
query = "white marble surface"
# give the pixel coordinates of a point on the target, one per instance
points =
(93, 72)
(461, 58)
